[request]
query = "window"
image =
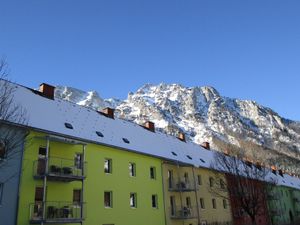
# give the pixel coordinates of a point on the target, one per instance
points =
(42, 152)
(154, 201)
(38, 194)
(202, 205)
(152, 173)
(132, 169)
(202, 160)
(126, 140)
(211, 182)
(133, 200)
(107, 166)
(1, 192)
(99, 134)
(170, 178)
(188, 202)
(186, 177)
(222, 184)
(199, 180)
(173, 205)
(189, 157)
(214, 203)
(224, 204)
(2, 149)
(108, 199)
(78, 160)
(173, 153)
(68, 125)
(77, 197)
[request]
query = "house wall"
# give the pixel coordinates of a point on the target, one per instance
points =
(9, 177)
(118, 182)
(208, 215)
(242, 218)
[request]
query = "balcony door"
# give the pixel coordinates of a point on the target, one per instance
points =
(41, 166)
(172, 205)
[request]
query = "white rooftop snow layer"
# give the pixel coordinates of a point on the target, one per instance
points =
(51, 115)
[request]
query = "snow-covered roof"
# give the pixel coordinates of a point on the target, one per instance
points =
(52, 115)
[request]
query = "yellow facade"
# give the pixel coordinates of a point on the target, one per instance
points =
(188, 199)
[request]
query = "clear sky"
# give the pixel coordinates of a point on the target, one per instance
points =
(245, 49)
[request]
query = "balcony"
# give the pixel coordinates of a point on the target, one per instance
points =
(57, 212)
(182, 186)
(59, 169)
(183, 213)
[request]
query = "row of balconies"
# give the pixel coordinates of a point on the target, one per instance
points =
(183, 212)
(182, 185)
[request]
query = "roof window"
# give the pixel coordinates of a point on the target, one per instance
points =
(173, 153)
(99, 134)
(68, 125)
(202, 160)
(189, 157)
(126, 140)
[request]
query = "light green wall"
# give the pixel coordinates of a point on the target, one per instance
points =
(119, 182)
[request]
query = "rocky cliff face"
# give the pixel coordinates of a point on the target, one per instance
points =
(204, 115)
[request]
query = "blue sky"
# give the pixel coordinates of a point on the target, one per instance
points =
(245, 49)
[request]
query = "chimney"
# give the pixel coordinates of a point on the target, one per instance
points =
(149, 126)
(273, 168)
(181, 136)
(108, 112)
(206, 145)
(226, 152)
(47, 90)
(280, 172)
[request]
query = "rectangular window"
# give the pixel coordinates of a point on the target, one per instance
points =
(222, 184)
(170, 178)
(199, 180)
(133, 200)
(132, 169)
(1, 192)
(107, 166)
(42, 152)
(2, 149)
(152, 173)
(77, 197)
(211, 182)
(39, 194)
(186, 177)
(214, 203)
(202, 205)
(108, 199)
(188, 202)
(173, 205)
(78, 160)
(224, 204)
(154, 201)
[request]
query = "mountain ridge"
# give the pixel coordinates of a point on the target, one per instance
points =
(204, 115)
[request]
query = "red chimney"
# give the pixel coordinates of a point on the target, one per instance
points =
(149, 126)
(47, 90)
(181, 136)
(108, 112)
(206, 145)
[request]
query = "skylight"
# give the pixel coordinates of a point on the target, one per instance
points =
(99, 134)
(202, 160)
(173, 153)
(68, 125)
(189, 157)
(126, 140)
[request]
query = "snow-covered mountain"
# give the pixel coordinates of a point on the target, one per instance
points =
(204, 115)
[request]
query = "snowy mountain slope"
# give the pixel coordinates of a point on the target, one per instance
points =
(203, 115)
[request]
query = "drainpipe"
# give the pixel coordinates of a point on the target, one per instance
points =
(45, 180)
(82, 183)
(196, 194)
(180, 192)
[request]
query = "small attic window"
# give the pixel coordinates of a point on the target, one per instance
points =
(283, 181)
(68, 125)
(189, 157)
(173, 153)
(126, 140)
(202, 160)
(99, 134)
